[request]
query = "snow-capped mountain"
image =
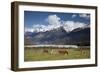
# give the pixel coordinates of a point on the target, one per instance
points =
(59, 36)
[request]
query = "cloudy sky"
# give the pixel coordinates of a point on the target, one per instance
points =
(45, 21)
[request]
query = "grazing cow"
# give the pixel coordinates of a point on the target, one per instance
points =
(54, 52)
(45, 51)
(82, 51)
(63, 52)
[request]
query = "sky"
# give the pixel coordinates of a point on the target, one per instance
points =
(45, 21)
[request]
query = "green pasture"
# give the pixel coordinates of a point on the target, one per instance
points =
(37, 54)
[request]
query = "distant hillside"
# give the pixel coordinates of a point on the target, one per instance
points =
(59, 36)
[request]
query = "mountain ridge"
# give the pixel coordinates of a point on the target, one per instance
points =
(58, 36)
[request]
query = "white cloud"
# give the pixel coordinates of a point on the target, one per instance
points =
(74, 15)
(71, 25)
(55, 22)
(84, 15)
(36, 28)
(39, 27)
(28, 29)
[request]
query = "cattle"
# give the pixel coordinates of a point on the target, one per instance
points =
(45, 51)
(82, 51)
(54, 52)
(63, 52)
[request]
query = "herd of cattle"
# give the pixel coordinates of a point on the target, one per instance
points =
(56, 51)
(61, 51)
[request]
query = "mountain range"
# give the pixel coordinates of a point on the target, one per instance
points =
(58, 36)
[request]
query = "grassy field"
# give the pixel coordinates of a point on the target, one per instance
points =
(52, 53)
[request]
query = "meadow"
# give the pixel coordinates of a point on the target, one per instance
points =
(55, 53)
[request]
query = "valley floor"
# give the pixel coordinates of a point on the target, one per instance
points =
(55, 53)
